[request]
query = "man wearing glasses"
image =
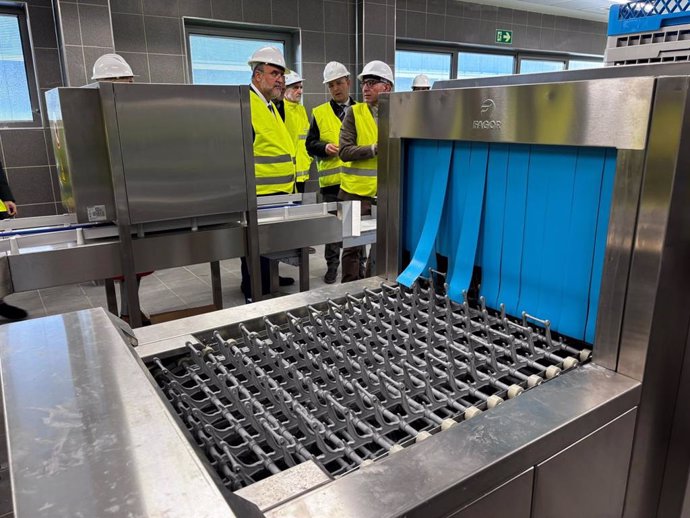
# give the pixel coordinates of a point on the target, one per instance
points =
(274, 149)
(359, 146)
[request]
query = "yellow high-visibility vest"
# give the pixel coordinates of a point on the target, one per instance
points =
(274, 151)
(360, 175)
(297, 124)
(3, 207)
(329, 124)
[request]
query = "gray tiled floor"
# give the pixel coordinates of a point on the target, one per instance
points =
(165, 290)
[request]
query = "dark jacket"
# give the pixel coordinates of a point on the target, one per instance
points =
(315, 146)
(5, 191)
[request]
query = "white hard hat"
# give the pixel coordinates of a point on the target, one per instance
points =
(421, 81)
(111, 66)
(378, 69)
(333, 71)
(268, 56)
(292, 78)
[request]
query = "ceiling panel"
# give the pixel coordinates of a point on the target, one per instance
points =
(597, 10)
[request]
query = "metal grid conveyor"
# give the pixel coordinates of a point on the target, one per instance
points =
(362, 378)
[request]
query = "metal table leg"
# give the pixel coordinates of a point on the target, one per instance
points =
(216, 285)
(110, 296)
(303, 269)
(274, 273)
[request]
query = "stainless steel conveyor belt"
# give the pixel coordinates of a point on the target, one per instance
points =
(349, 383)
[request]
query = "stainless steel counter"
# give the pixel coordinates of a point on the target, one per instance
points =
(88, 434)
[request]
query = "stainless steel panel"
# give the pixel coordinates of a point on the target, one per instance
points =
(170, 337)
(389, 213)
(301, 233)
(656, 70)
(614, 282)
(68, 263)
(64, 265)
(675, 494)
(514, 499)
(81, 153)
(607, 113)
(183, 248)
(454, 468)
(88, 432)
(657, 306)
(182, 150)
(589, 477)
(284, 486)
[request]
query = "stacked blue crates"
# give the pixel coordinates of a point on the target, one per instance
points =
(657, 31)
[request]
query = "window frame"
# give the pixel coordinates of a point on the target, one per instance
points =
(517, 54)
(21, 13)
(435, 49)
(195, 26)
(528, 56)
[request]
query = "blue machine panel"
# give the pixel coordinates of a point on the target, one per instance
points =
(533, 218)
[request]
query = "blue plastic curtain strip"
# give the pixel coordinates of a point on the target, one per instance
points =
(534, 218)
(438, 161)
(464, 257)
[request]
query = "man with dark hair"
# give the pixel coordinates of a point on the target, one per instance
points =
(322, 143)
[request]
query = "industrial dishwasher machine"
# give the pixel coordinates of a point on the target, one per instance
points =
(520, 353)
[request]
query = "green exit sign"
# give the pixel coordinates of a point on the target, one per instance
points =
(504, 36)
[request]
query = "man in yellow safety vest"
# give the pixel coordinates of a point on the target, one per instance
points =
(322, 143)
(297, 123)
(274, 149)
(359, 146)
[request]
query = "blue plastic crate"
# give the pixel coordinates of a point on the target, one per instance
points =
(636, 17)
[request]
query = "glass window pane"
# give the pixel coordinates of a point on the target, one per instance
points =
(221, 60)
(528, 66)
(408, 64)
(15, 103)
(476, 64)
(578, 64)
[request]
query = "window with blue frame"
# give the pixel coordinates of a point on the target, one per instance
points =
(481, 64)
(15, 96)
(408, 64)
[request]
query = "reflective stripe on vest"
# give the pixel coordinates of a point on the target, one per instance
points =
(329, 130)
(274, 150)
(297, 124)
(360, 177)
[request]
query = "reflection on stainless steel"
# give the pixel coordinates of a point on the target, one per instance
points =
(172, 171)
(572, 113)
(81, 153)
(89, 436)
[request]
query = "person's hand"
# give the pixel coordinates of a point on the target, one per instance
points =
(11, 208)
(332, 150)
(375, 149)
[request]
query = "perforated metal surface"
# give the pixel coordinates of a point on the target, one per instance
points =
(369, 375)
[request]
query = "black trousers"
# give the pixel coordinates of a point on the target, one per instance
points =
(332, 250)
